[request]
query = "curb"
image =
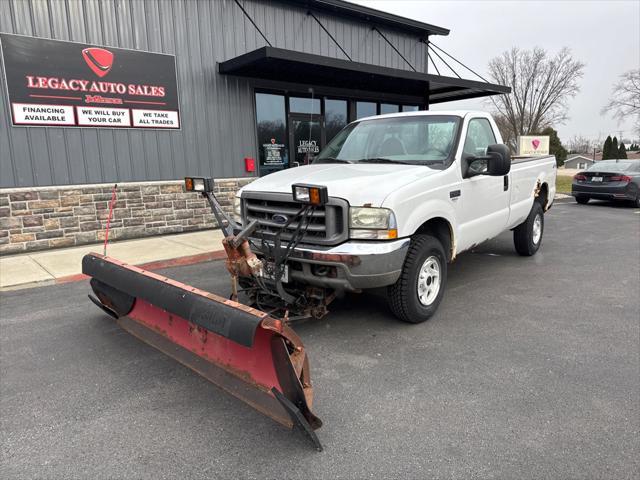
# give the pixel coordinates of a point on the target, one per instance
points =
(155, 265)
(563, 200)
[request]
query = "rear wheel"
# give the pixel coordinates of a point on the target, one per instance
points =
(582, 200)
(415, 297)
(527, 236)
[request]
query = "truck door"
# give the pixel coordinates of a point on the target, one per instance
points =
(485, 199)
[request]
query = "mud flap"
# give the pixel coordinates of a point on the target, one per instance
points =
(244, 351)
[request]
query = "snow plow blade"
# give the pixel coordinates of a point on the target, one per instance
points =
(246, 352)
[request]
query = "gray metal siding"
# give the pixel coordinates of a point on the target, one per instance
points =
(217, 112)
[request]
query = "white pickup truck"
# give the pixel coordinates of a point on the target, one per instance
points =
(407, 193)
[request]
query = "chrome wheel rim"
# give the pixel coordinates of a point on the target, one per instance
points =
(537, 229)
(429, 281)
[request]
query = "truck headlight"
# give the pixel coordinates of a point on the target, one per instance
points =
(372, 223)
(310, 194)
(237, 209)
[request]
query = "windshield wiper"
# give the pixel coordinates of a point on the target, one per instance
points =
(331, 160)
(384, 160)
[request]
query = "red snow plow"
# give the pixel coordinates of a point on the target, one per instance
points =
(251, 354)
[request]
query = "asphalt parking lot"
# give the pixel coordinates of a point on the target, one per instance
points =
(530, 369)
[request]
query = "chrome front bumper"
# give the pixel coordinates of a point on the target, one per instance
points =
(358, 265)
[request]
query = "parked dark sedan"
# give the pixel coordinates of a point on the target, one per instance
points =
(608, 180)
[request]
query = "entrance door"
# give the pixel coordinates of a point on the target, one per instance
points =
(306, 137)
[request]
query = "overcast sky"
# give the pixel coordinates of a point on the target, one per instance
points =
(603, 34)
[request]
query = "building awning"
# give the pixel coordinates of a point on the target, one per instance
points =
(278, 64)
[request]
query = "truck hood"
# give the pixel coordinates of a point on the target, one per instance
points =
(359, 184)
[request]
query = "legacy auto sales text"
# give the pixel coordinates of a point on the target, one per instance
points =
(79, 85)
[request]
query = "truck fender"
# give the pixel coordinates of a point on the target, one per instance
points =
(419, 216)
(523, 197)
(545, 191)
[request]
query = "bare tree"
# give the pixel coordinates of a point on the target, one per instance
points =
(625, 98)
(580, 144)
(540, 88)
(508, 136)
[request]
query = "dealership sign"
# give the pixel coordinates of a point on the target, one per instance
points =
(533, 145)
(55, 83)
(274, 153)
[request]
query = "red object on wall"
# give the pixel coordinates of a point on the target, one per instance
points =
(249, 164)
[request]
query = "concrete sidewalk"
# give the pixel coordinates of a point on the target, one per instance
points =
(57, 266)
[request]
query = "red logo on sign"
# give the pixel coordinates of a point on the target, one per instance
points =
(98, 59)
(273, 141)
(536, 143)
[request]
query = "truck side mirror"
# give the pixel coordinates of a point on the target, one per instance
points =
(498, 160)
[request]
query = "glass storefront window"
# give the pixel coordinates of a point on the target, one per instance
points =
(335, 117)
(271, 122)
(288, 131)
(304, 105)
(388, 108)
(366, 109)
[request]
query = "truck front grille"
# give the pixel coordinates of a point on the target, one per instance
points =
(328, 225)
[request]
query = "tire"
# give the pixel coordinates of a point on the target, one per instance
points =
(527, 237)
(413, 303)
(636, 202)
(582, 200)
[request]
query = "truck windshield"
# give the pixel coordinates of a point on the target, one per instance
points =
(420, 140)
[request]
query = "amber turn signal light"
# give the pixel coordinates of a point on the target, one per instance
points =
(198, 184)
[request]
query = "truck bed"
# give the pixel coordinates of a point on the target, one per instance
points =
(528, 175)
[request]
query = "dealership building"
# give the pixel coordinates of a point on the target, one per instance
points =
(144, 92)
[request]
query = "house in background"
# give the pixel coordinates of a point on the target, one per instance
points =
(579, 162)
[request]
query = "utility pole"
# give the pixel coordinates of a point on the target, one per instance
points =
(619, 141)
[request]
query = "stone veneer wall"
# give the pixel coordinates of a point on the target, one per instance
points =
(40, 218)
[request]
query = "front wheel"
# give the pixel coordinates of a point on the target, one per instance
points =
(527, 236)
(415, 297)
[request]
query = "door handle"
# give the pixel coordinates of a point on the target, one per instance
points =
(506, 182)
(454, 194)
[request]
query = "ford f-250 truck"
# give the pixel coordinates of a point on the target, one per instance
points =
(407, 193)
(389, 202)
